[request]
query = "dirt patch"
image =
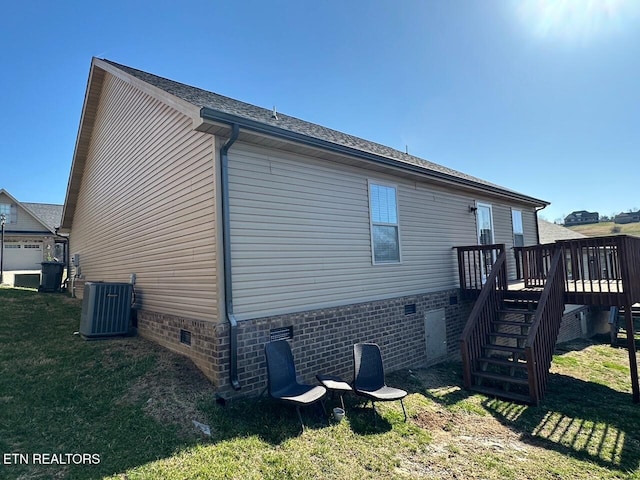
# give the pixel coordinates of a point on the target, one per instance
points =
(446, 426)
(464, 435)
(435, 421)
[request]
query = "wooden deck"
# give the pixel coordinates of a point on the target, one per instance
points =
(596, 271)
(603, 271)
(600, 292)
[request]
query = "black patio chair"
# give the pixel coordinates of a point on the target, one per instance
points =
(368, 378)
(282, 382)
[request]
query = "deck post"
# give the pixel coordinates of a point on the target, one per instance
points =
(631, 346)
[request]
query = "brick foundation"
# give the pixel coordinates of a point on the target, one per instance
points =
(165, 330)
(323, 339)
(576, 323)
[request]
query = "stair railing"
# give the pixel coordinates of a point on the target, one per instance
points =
(485, 311)
(541, 341)
(475, 263)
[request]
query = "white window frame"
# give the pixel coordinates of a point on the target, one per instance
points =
(515, 211)
(372, 224)
(7, 210)
(493, 225)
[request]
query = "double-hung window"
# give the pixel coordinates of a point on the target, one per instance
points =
(518, 230)
(385, 240)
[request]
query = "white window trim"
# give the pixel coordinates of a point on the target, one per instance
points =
(8, 216)
(371, 181)
(513, 230)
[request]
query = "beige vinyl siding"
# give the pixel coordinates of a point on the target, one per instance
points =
(530, 226)
(301, 234)
(146, 204)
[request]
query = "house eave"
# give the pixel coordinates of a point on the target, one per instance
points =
(28, 210)
(222, 119)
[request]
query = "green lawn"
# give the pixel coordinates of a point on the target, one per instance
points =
(607, 228)
(130, 405)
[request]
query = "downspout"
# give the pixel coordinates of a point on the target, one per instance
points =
(538, 210)
(226, 249)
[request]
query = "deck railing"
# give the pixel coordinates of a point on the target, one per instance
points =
(630, 268)
(533, 263)
(593, 265)
(541, 340)
(485, 311)
(604, 268)
(475, 264)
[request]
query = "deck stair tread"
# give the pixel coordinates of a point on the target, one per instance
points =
(496, 392)
(496, 377)
(511, 323)
(524, 295)
(516, 311)
(503, 348)
(516, 336)
(502, 362)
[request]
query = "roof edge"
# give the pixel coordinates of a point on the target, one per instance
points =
(28, 210)
(213, 115)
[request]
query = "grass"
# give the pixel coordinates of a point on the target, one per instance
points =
(607, 228)
(132, 403)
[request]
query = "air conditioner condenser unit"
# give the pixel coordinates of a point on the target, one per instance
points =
(106, 310)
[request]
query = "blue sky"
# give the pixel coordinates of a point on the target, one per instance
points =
(540, 96)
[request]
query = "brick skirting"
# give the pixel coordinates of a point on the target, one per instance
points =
(322, 339)
(203, 339)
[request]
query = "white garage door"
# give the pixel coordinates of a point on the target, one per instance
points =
(22, 256)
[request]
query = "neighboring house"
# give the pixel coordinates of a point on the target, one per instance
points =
(30, 233)
(630, 217)
(242, 224)
(581, 217)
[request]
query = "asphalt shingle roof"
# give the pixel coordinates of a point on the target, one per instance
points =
(550, 232)
(49, 214)
(202, 98)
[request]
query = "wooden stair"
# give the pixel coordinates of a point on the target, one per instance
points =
(502, 369)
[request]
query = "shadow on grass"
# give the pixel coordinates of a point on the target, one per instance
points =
(62, 395)
(274, 422)
(584, 420)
